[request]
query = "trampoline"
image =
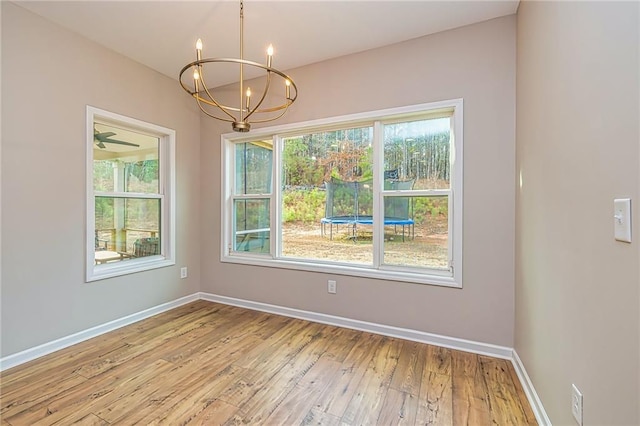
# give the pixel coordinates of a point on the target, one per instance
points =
(351, 204)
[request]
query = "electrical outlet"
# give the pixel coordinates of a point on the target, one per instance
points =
(576, 404)
(331, 286)
(183, 272)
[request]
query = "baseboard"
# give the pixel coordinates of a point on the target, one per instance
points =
(529, 390)
(385, 330)
(47, 348)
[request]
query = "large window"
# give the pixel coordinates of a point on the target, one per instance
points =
(376, 195)
(130, 195)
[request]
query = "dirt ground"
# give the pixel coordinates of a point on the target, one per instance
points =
(427, 248)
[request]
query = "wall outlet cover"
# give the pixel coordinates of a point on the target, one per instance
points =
(576, 404)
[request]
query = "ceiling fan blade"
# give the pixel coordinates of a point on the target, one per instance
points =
(101, 145)
(119, 142)
(102, 135)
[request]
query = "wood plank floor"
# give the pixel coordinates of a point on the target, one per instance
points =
(206, 363)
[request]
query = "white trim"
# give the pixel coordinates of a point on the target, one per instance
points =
(385, 330)
(387, 115)
(56, 345)
(457, 198)
(529, 390)
(335, 268)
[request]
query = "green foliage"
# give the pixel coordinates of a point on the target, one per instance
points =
(303, 205)
(367, 164)
(417, 150)
(251, 214)
(300, 168)
(103, 175)
(146, 171)
(425, 207)
(138, 213)
(104, 213)
(141, 176)
(311, 159)
(308, 205)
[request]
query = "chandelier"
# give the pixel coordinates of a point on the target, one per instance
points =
(260, 111)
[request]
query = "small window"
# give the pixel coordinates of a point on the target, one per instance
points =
(130, 195)
(374, 195)
(252, 197)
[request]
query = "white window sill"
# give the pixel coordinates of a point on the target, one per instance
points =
(128, 266)
(432, 277)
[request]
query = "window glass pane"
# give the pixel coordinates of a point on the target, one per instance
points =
(142, 176)
(124, 161)
(251, 225)
(419, 151)
(327, 182)
(126, 227)
(416, 232)
(253, 167)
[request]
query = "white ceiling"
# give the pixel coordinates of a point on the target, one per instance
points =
(162, 34)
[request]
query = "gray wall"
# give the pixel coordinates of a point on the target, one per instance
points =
(476, 63)
(577, 296)
(577, 290)
(49, 75)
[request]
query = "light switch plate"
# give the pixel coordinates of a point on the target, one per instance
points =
(622, 219)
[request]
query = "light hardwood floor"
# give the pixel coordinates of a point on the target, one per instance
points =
(206, 363)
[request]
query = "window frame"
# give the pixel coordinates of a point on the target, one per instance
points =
(377, 119)
(166, 195)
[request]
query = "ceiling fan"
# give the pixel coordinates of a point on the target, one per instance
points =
(104, 137)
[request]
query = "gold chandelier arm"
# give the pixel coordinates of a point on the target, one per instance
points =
(264, 95)
(286, 105)
(282, 107)
(219, 105)
(274, 109)
(213, 100)
(198, 100)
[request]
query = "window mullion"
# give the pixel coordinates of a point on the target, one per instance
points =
(162, 159)
(126, 195)
(251, 197)
(378, 205)
(276, 199)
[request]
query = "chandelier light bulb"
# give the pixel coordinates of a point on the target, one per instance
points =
(269, 55)
(198, 49)
(196, 74)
